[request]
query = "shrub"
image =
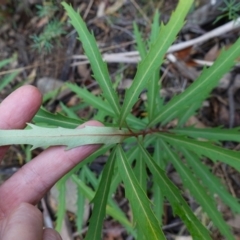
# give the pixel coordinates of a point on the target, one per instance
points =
(128, 140)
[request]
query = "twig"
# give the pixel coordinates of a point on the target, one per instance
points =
(46, 215)
(135, 4)
(88, 9)
(133, 56)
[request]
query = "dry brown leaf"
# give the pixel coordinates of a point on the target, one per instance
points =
(42, 22)
(212, 54)
(196, 122)
(185, 56)
(83, 71)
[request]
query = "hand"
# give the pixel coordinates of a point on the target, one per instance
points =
(19, 219)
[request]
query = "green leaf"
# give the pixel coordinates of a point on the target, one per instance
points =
(140, 204)
(99, 104)
(68, 111)
(51, 95)
(90, 177)
(89, 194)
(100, 201)
(99, 67)
(7, 79)
(184, 116)
(140, 172)
(5, 62)
(155, 56)
(206, 149)
(81, 203)
(213, 134)
(158, 197)
(155, 27)
(61, 210)
(210, 181)
(42, 137)
(131, 156)
(199, 193)
(179, 205)
(140, 44)
(58, 120)
(95, 101)
(200, 89)
(153, 86)
(101, 151)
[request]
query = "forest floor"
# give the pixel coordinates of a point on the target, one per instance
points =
(48, 61)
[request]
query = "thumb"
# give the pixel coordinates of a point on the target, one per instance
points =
(23, 223)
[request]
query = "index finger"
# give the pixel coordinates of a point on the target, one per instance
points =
(35, 178)
(18, 108)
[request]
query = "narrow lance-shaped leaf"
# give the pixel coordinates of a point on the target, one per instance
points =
(153, 87)
(131, 154)
(89, 194)
(45, 117)
(210, 181)
(215, 134)
(200, 89)
(93, 156)
(140, 172)
(158, 197)
(42, 137)
(185, 115)
(68, 111)
(100, 201)
(99, 104)
(99, 67)
(5, 62)
(111, 210)
(206, 149)
(140, 204)
(140, 43)
(81, 203)
(7, 79)
(199, 193)
(155, 56)
(61, 210)
(172, 193)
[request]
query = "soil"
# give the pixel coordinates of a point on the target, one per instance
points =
(111, 24)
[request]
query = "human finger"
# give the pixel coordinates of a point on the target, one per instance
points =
(33, 180)
(18, 108)
(23, 223)
(51, 234)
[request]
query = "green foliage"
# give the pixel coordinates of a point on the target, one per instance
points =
(154, 58)
(99, 67)
(100, 200)
(39, 136)
(230, 10)
(61, 185)
(52, 31)
(50, 34)
(128, 139)
(141, 206)
(46, 10)
(172, 145)
(5, 80)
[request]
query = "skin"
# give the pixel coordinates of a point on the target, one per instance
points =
(19, 219)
